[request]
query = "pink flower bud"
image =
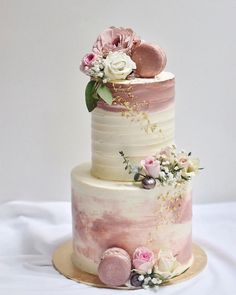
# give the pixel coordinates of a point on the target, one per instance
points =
(151, 166)
(87, 61)
(143, 259)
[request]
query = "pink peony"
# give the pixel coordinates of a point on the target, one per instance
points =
(151, 166)
(87, 61)
(143, 259)
(115, 39)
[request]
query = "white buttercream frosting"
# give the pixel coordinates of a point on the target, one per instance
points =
(112, 133)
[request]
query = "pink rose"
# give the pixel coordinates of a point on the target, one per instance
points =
(183, 160)
(151, 166)
(166, 152)
(116, 39)
(143, 259)
(87, 61)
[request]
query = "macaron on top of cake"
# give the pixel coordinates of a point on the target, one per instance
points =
(150, 60)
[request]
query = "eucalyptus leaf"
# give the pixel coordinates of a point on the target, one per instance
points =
(91, 101)
(105, 93)
(136, 176)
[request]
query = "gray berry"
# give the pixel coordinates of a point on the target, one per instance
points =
(148, 182)
(134, 280)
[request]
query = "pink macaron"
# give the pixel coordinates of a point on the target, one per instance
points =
(115, 267)
(150, 60)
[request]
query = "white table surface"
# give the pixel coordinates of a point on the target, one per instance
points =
(29, 233)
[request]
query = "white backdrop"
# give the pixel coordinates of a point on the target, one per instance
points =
(44, 124)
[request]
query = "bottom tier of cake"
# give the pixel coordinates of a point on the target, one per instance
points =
(110, 214)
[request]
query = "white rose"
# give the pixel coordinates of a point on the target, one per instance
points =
(193, 166)
(118, 65)
(166, 262)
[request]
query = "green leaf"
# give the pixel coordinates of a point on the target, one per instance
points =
(105, 93)
(185, 178)
(91, 101)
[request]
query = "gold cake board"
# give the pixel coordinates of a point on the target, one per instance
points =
(63, 264)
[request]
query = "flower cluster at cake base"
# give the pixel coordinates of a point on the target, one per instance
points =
(168, 167)
(143, 269)
(150, 272)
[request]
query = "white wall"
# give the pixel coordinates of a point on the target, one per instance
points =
(44, 125)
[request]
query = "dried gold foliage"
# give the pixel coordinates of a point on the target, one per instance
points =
(132, 110)
(133, 113)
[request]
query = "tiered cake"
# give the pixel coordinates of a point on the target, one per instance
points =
(131, 206)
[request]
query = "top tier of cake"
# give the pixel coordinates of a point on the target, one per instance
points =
(139, 122)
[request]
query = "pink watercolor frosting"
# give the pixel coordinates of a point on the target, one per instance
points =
(147, 96)
(183, 249)
(149, 223)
